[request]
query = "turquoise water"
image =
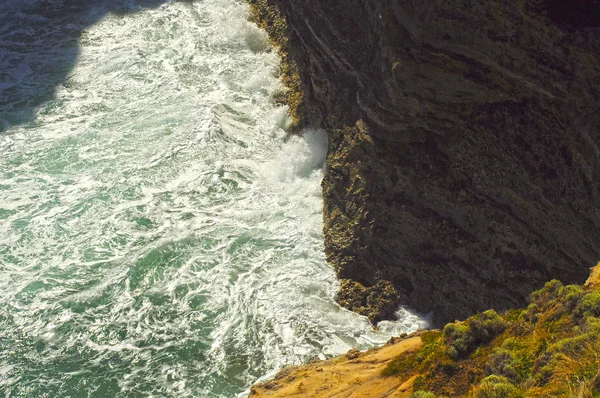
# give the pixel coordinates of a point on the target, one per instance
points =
(159, 235)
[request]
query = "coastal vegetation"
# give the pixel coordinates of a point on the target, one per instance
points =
(551, 348)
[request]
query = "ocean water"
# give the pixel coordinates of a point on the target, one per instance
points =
(160, 234)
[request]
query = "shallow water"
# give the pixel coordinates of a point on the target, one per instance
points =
(159, 236)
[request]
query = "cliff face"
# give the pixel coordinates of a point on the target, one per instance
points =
(464, 165)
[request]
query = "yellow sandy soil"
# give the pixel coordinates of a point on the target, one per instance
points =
(352, 375)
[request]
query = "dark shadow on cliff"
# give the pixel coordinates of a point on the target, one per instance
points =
(574, 13)
(39, 48)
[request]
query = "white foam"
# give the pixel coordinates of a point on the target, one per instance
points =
(157, 215)
(299, 158)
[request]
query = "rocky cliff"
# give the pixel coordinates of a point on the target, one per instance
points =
(464, 165)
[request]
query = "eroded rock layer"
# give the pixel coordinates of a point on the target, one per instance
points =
(463, 170)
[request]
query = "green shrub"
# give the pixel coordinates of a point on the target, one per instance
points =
(590, 304)
(461, 338)
(497, 387)
(458, 339)
(510, 343)
(570, 293)
(549, 292)
(453, 352)
(501, 363)
(487, 325)
(513, 315)
(572, 344)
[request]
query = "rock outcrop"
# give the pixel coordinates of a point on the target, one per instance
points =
(464, 164)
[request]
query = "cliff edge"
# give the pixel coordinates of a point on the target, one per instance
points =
(356, 374)
(548, 349)
(464, 164)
